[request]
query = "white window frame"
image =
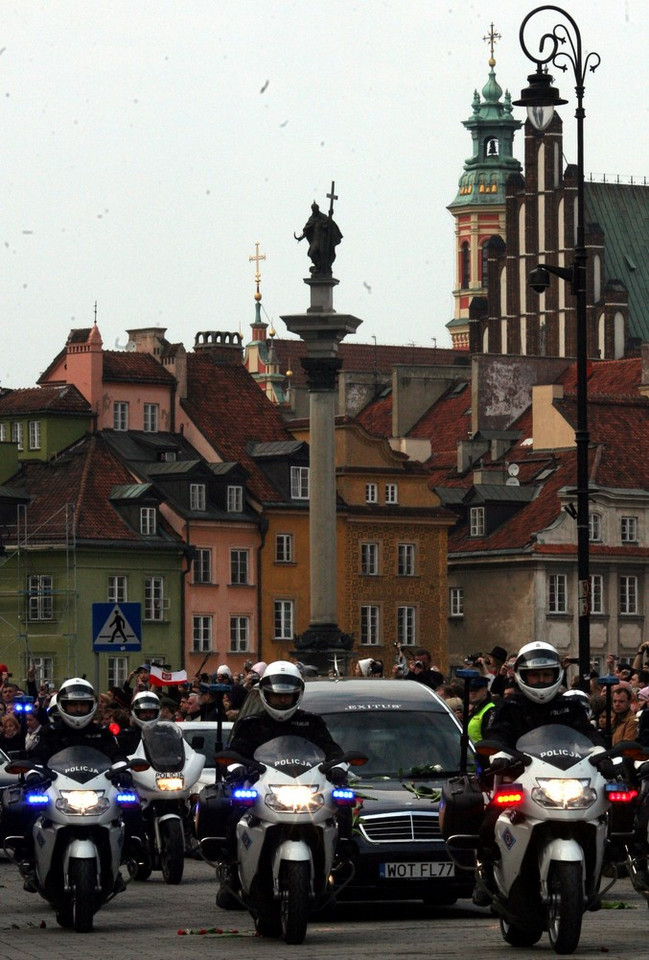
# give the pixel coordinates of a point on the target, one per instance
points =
(283, 619)
(300, 483)
(407, 625)
(239, 566)
(201, 633)
(148, 521)
(370, 618)
(202, 565)
(3, 432)
(235, 498)
(284, 548)
(117, 671)
(391, 493)
(40, 597)
(628, 597)
(154, 599)
(239, 633)
(370, 558)
(44, 670)
(120, 416)
(34, 428)
(371, 493)
(117, 588)
(17, 433)
(595, 527)
(197, 497)
(596, 593)
(151, 417)
(406, 557)
(456, 601)
(557, 593)
(477, 521)
(629, 529)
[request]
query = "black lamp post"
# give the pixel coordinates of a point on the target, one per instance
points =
(540, 98)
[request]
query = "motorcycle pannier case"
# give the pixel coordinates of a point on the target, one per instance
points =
(461, 808)
(213, 811)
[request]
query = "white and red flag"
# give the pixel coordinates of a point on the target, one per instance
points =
(167, 678)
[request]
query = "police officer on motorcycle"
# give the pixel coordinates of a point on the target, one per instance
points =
(145, 712)
(74, 725)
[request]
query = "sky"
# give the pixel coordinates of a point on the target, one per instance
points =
(146, 146)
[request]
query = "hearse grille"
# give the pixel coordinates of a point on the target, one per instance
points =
(400, 827)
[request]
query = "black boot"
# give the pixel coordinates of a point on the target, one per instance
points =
(228, 878)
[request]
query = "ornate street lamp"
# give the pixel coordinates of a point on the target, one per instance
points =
(561, 46)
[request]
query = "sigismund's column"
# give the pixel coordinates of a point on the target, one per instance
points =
(322, 329)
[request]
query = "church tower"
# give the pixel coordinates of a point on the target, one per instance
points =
(479, 207)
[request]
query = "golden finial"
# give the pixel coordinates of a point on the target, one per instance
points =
(491, 38)
(257, 256)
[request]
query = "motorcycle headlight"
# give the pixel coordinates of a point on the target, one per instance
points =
(564, 794)
(82, 801)
(170, 782)
(298, 797)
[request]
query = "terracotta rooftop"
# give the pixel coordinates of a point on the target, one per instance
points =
(134, 367)
(57, 399)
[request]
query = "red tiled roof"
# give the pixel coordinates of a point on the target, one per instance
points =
(46, 399)
(134, 367)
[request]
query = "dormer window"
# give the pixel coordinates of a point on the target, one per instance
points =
(148, 521)
(235, 499)
(477, 521)
(299, 483)
(197, 496)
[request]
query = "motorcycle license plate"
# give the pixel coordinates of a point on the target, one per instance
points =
(416, 871)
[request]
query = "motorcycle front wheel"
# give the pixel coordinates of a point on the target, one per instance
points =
(172, 852)
(83, 875)
(295, 900)
(565, 909)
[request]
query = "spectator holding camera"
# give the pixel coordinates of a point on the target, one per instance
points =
(421, 670)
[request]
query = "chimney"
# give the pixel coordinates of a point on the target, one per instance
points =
(222, 346)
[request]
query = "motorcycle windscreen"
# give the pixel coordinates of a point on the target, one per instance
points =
(79, 763)
(556, 744)
(164, 746)
(291, 755)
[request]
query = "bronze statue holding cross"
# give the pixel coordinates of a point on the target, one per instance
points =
(323, 235)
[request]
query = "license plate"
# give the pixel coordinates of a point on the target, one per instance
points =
(416, 871)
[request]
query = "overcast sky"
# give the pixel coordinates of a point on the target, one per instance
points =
(146, 145)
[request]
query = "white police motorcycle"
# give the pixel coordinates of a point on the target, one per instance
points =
(287, 832)
(164, 789)
(77, 831)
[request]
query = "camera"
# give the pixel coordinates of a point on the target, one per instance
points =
(417, 663)
(472, 659)
(572, 660)
(248, 665)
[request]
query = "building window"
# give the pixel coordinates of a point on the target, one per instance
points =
(406, 559)
(148, 521)
(484, 263)
(17, 434)
(406, 632)
(299, 483)
(558, 593)
(597, 593)
(202, 565)
(456, 601)
(40, 599)
(283, 617)
(628, 595)
(370, 559)
(465, 266)
(476, 521)
(595, 527)
(3, 432)
(151, 417)
(239, 566)
(197, 496)
(201, 634)
(284, 548)
(235, 499)
(117, 589)
(370, 624)
(154, 600)
(371, 493)
(629, 529)
(117, 671)
(391, 493)
(34, 434)
(120, 415)
(44, 667)
(239, 634)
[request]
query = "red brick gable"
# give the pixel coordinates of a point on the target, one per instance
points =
(60, 399)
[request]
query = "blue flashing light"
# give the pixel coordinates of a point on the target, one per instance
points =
(343, 797)
(128, 798)
(37, 799)
(244, 797)
(23, 706)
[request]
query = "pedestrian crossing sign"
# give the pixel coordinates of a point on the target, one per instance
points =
(116, 627)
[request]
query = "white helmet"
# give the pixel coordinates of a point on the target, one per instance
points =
(538, 656)
(52, 708)
(583, 698)
(147, 703)
(77, 703)
(281, 677)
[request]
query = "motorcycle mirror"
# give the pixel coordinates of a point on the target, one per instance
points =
(357, 759)
(139, 765)
(633, 751)
(487, 748)
(19, 767)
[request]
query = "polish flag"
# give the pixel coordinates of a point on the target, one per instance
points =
(166, 678)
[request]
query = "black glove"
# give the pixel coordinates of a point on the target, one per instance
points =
(337, 776)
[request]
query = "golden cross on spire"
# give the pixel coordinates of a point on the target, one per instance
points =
(257, 256)
(491, 38)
